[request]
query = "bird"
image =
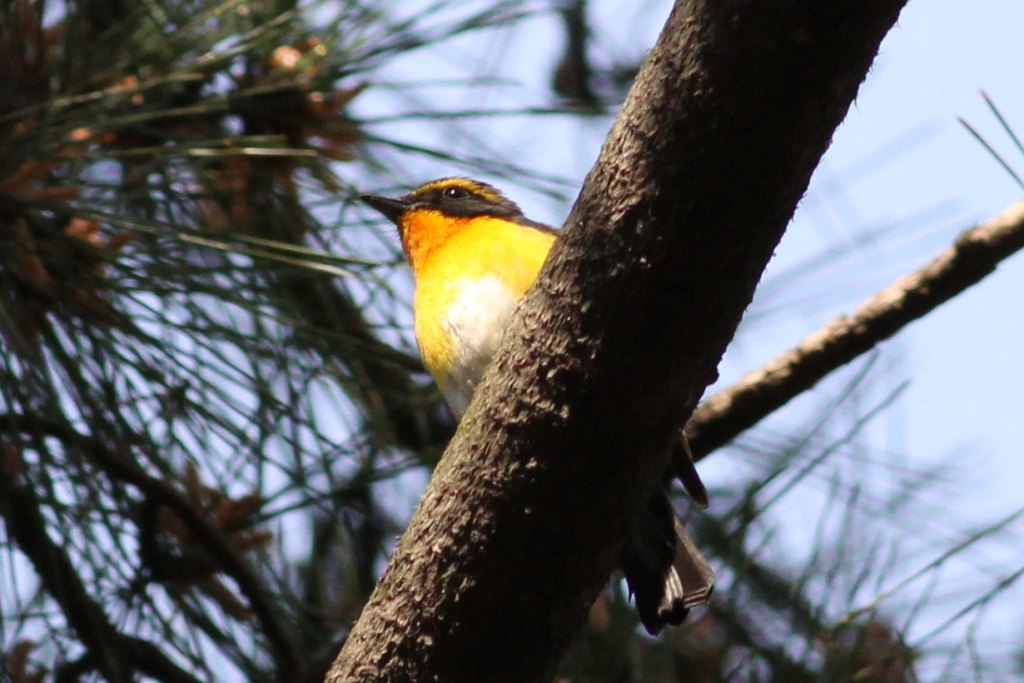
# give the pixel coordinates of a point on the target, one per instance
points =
(473, 254)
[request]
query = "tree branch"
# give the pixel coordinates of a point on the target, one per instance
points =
(113, 654)
(124, 469)
(523, 520)
(143, 655)
(975, 254)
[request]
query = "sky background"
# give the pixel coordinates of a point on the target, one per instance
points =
(901, 179)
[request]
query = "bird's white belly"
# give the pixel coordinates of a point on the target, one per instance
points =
(475, 322)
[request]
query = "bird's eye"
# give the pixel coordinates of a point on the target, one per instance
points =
(454, 192)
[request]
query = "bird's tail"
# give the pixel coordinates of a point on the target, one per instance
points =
(665, 572)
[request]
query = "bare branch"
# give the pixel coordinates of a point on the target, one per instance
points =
(975, 253)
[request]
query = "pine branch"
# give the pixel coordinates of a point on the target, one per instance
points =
(113, 654)
(400, 410)
(974, 254)
(124, 469)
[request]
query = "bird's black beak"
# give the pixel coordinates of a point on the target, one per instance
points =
(391, 208)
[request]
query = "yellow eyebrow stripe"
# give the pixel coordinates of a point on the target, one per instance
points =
(465, 183)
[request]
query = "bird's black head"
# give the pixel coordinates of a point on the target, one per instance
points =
(451, 196)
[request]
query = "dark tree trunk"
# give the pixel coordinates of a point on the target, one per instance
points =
(523, 520)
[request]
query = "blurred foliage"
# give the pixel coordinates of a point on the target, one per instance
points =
(212, 420)
(196, 407)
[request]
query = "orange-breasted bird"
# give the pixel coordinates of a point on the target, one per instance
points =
(473, 255)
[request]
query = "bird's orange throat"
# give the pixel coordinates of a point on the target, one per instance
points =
(470, 271)
(424, 231)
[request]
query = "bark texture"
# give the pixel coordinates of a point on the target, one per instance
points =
(523, 520)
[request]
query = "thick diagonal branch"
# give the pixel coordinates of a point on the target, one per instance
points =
(524, 518)
(975, 253)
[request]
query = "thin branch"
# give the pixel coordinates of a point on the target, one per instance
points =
(287, 655)
(146, 657)
(111, 653)
(973, 255)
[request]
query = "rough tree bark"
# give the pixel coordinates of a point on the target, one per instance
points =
(522, 522)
